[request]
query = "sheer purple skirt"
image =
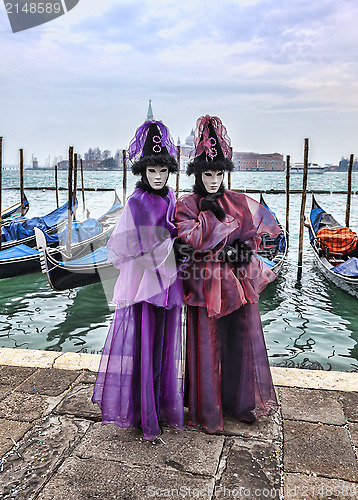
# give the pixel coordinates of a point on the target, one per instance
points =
(227, 368)
(140, 378)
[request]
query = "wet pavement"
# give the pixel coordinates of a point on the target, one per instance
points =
(53, 446)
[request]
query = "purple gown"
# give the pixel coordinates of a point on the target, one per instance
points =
(140, 378)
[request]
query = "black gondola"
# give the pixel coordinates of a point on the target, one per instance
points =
(22, 259)
(10, 213)
(80, 271)
(342, 270)
(273, 250)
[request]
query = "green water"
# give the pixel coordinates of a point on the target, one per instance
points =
(312, 324)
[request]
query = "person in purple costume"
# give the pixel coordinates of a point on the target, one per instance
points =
(140, 379)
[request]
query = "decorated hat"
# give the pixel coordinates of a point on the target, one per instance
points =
(152, 145)
(212, 147)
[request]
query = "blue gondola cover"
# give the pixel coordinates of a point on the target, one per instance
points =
(17, 230)
(17, 251)
(347, 268)
(81, 231)
(99, 256)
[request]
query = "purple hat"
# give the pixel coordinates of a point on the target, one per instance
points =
(152, 145)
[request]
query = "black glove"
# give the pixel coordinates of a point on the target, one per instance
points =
(244, 252)
(238, 252)
(182, 251)
(210, 203)
(228, 254)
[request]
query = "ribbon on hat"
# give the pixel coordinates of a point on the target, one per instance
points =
(204, 143)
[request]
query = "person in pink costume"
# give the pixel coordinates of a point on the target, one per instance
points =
(227, 365)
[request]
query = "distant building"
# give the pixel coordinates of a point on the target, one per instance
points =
(87, 165)
(258, 162)
(185, 150)
(35, 163)
(242, 161)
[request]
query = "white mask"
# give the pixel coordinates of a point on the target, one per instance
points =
(212, 180)
(157, 176)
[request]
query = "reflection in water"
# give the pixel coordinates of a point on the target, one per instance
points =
(87, 316)
(34, 316)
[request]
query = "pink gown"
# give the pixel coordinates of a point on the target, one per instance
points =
(227, 364)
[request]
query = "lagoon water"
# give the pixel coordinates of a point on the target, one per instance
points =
(309, 324)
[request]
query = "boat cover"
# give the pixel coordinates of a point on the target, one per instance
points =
(338, 239)
(280, 240)
(17, 251)
(114, 208)
(267, 261)
(16, 230)
(347, 268)
(316, 216)
(99, 256)
(81, 231)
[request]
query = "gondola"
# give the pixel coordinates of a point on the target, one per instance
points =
(273, 250)
(22, 232)
(64, 274)
(14, 211)
(339, 269)
(22, 259)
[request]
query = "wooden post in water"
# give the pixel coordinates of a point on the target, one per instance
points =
(70, 211)
(229, 174)
(83, 187)
(74, 194)
(288, 166)
(0, 187)
(178, 174)
(56, 185)
(349, 189)
(302, 214)
(22, 197)
(124, 175)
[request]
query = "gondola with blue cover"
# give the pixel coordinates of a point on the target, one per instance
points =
(340, 269)
(85, 236)
(14, 211)
(273, 250)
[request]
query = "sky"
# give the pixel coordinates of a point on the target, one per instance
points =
(274, 71)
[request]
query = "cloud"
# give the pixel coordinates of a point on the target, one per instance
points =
(88, 76)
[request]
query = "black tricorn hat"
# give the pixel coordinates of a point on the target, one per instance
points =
(152, 145)
(212, 150)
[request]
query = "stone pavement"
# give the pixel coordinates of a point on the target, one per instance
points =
(53, 446)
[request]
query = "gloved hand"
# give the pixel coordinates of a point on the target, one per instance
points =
(210, 203)
(244, 252)
(238, 252)
(182, 251)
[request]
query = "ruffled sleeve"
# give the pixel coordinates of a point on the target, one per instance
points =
(141, 246)
(201, 230)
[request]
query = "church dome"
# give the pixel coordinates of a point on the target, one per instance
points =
(189, 141)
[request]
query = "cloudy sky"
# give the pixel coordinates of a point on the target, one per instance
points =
(275, 72)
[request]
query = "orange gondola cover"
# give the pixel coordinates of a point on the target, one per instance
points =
(338, 240)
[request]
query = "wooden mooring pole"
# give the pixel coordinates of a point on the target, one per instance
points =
(56, 185)
(0, 187)
(74, 194)
(70, 198)
(83, 188)
(229, 174)
(288, 166)
(178, 174)
(124, 155)
(22, 194)
(349, 189)
(302, 214)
